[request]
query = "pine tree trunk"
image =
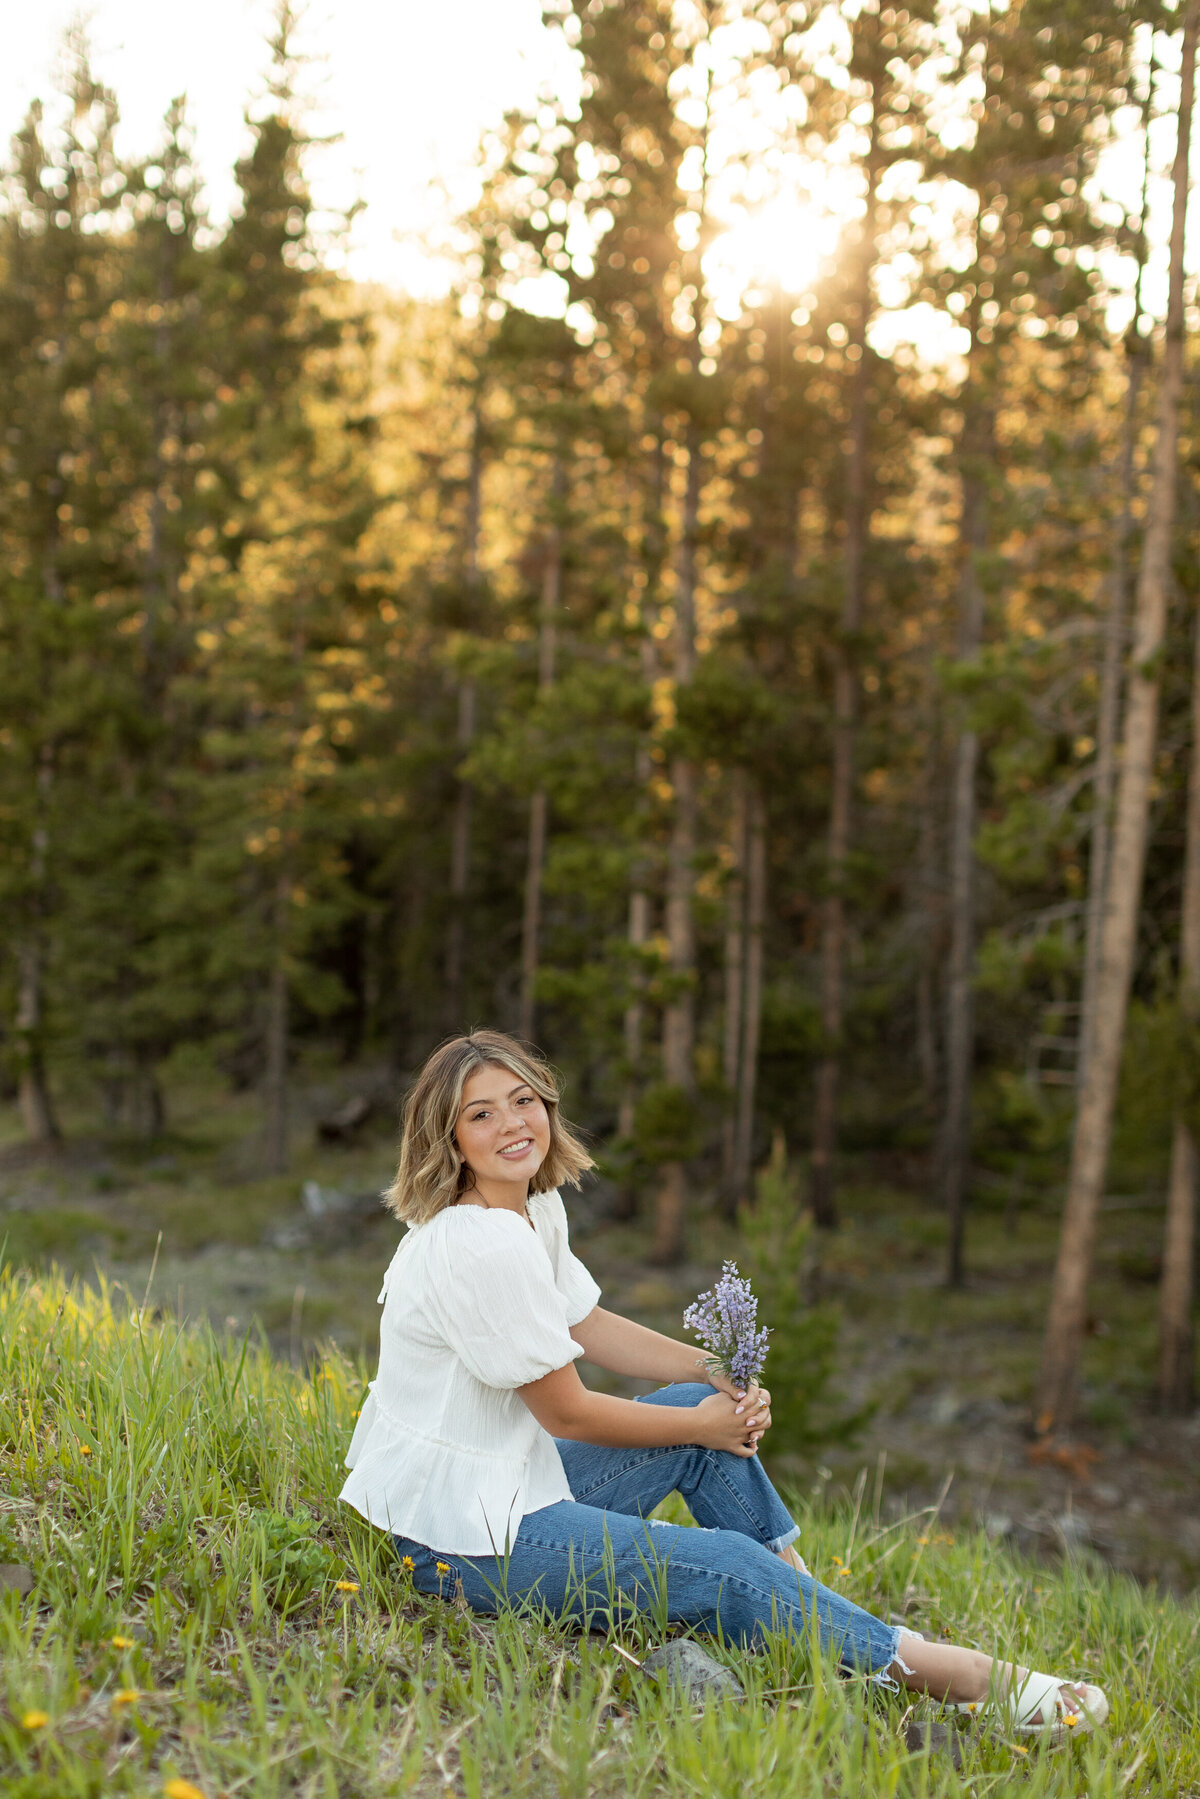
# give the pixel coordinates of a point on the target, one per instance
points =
(679, 1013)
(1176, 1348)
(275, 1074)
(1108, 712)
(1058, 1386)
(460, 825)
(756, 911)
(539, 806)
(955, 1154)
(929, 906)
(33, 1092)
(735, 971)
(822, 1193)
(460, 863)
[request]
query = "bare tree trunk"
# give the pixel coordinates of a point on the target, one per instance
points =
(735, 971)
(275, 1074)
(460, 862)
(955, 1148)
(460, 827)
(33, 1092)
(1058, 1386)
(539, 805)
(756, 911)
(1108, 712)
(679, 1013)
(845, 707)
(1176, 1348)
(927, 900)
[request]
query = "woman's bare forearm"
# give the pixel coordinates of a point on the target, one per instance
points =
(621, 1424)
(623, 1347)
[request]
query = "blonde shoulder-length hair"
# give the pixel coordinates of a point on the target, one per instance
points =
(432, 1173)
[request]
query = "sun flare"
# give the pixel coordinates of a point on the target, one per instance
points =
(783, 244)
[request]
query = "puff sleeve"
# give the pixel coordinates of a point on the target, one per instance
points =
(579, 1291)
(495, 1301)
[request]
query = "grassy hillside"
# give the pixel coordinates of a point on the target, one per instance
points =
(204, 1613)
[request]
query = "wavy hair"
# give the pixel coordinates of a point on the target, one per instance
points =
(432, 1172)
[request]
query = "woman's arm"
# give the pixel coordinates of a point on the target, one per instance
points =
(566, 1408)
(624, 1347)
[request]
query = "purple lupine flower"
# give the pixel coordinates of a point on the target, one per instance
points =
(724, 1319)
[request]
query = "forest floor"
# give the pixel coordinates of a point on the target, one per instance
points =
(950, 1375)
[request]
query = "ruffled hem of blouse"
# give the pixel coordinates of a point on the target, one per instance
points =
(497, 1490)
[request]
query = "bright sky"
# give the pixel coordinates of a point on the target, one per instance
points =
(408, 83)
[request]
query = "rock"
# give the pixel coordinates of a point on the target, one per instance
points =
(945, 1409)
(14, 1578)
(293, 1234)
(330, 1202)
(998, 1525)
(1072, 1530)
(688, 1670)
(925, 1738)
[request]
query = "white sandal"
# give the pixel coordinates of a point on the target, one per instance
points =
(1043, 1706)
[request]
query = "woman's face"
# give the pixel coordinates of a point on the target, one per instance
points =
(503, 1127)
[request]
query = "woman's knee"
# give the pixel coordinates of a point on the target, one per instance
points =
(681, 1393)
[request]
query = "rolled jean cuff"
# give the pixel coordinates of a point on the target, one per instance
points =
(880, 1677)
(785, 1541)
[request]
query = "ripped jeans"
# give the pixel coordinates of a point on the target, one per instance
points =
(597, 1556)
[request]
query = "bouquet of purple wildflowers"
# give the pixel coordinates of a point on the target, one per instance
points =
(724, 1319)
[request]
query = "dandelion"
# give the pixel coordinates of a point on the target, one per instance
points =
(407, 1563)
(923, 1542)
(182, 1789)
(127, 1696)
(442, 1567)
(1018, 1749)
(346, 1586)
(35, 1720)
(724, 1319)
(123, 1643)
(84, 1450)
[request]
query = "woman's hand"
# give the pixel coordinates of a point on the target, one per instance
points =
(725, 1422)
(748, 1402)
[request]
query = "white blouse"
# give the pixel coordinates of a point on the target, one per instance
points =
(475, 1304)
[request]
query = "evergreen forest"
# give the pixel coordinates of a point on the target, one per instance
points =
(776, 698)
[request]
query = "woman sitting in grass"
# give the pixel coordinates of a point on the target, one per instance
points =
(496, 1470)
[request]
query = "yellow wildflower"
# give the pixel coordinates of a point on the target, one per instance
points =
(35, 1720)
(127, 1696)
(407, 1563)
(84, 1450)
(182, 1789)
(123, 1643)
(442, 1567)
(924, 1542)
(347, 1586)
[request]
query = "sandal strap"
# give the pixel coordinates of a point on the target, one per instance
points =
(1037, 1693)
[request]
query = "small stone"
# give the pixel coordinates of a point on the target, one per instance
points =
(998, 1525)
(924, 1738)
(1072, 1529)
(14, 1578)
(688, 1670)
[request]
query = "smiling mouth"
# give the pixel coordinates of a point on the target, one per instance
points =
(517, 1149)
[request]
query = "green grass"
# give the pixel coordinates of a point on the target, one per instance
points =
(174, 1493)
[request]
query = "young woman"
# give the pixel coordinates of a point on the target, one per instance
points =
(497, 1470)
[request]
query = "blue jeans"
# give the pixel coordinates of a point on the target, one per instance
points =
(597, 1556)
